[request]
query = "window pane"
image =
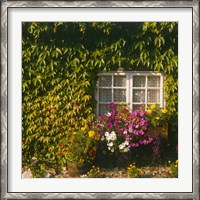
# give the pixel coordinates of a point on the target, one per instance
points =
(105, 81)
(103, 108)
(153, 96)
(153, 81)
(120, 81)
(139, 96)
(119, 95)
(139, 81)
(136, 106)
(105, 95)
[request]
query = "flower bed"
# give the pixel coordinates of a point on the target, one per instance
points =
(121, 130)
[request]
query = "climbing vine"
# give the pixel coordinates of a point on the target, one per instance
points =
(60, 66)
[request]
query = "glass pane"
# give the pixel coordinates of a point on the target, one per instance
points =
(139, 96)
(103, 108)
(153, 96)
(153, 81)
(120, 81)
(105, 95)
(136, 106)
(105, 81)
(119, 95)
(139, 81)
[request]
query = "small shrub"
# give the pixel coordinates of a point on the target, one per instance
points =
(173, 173)
(94, 172)
(80, 146)
(156, 116)
(133, 171)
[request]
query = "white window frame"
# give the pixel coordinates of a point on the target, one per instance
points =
(129, 87)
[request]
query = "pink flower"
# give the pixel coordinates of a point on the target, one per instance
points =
(109, 126)
(117, 127)
(137, 126)
(102, 118)
(150, 139)
(141, 142)
(100, 132)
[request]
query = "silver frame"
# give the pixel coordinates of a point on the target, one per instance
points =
(5, 5)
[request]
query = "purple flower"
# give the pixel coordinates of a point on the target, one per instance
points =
(102, 118)
(109, 126)
(141, 142)
(127, 137)
(130, 126)
(137, 126)
(150, 139)
(100, 132)
(117, 127)
(141, 132)
(135, 132)
(141, 114)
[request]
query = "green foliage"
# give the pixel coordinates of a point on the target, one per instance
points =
(94, 172)
(157, 117)
(79, 147)
(133, 171)
(173, 173)
(60, 66)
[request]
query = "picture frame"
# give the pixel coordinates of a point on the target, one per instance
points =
(7, 114)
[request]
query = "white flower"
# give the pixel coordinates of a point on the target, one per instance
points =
(126, 142)
(102, 138)
(112, 150)
(130, 130)
(108, 114)
(110, 144)
(125, 132)
(107, 134)
(113, 136)
(126, 149)
(121, 146)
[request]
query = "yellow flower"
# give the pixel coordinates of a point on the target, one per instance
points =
(169, 161)
(164, 110)
(157, 118)
(149, 111)
(153, 106)
(74, 133)
(176, 166)
(91, 134)
(176, 161)
(83, 128)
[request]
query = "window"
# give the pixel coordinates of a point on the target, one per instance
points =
(132, 88)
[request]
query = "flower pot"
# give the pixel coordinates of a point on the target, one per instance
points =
(161, 131)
